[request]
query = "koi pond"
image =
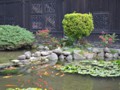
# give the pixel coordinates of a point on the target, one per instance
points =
(51, 79)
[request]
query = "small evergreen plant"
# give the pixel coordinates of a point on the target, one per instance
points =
(14, 37)
(77, 25)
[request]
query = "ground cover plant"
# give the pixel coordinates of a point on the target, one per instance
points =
(14, 37)
(94, 68)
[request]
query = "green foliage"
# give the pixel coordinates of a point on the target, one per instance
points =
(94, 68)
(108, 39)
(24, 89)
(46, 39)
(66, 41)
(78, 25)
(9, 72)
(14, 37)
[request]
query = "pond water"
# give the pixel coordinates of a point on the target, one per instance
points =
(55, 79)
(58, 82)
(6, 56)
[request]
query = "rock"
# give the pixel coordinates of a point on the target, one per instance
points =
(66, 53)
(69, 58)
(108, 59)
(41, 47)
(95, 50)
(106, 50)
(78, 56)
(89, 56)
(115, 56)
(28, 54)
(15, 61)
(76, 51)
(119, 51)
(21, 57)
(33, 58)
(89, 49)
(118, 57)
(44, 58)
(62, 58)
(46, 48)
(53, 58)
(25, 62)
(108, 55)
(100, 56)
(45, 53)
(37, 54)
(58, 51)
(29, 71)
(33, 55)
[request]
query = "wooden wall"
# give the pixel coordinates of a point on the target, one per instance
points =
(106, 13)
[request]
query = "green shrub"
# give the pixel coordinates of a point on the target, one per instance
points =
(14, 37)
(78, 25)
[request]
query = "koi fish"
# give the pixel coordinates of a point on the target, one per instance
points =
(62, 75)
(10, 85)
(7, 76)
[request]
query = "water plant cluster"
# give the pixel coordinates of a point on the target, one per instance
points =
(93, 68)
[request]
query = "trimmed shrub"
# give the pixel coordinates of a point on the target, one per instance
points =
(14, 37)
(77, 26)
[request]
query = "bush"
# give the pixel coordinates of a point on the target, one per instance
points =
(14, 37)
(46, 39)
(77, 25)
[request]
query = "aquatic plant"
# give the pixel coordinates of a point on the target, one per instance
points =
(93, 68)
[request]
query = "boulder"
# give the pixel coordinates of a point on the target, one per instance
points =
(115, 56)
(78, 56)
(62, 58)
(21, 57)
(41, 47)
(53, 58)
(100, 56)
(15, 61)
(106, 50)
(95, 50)
(89, 56)
(33, 55)
(46, 48)
(37, 54)
(25, 62)
(69, 58)
(58, 51)
(33, 58)
(28, 54)
(66, 53)
(119, 51)
(45, 53)
(108, 55)
(76, 51)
